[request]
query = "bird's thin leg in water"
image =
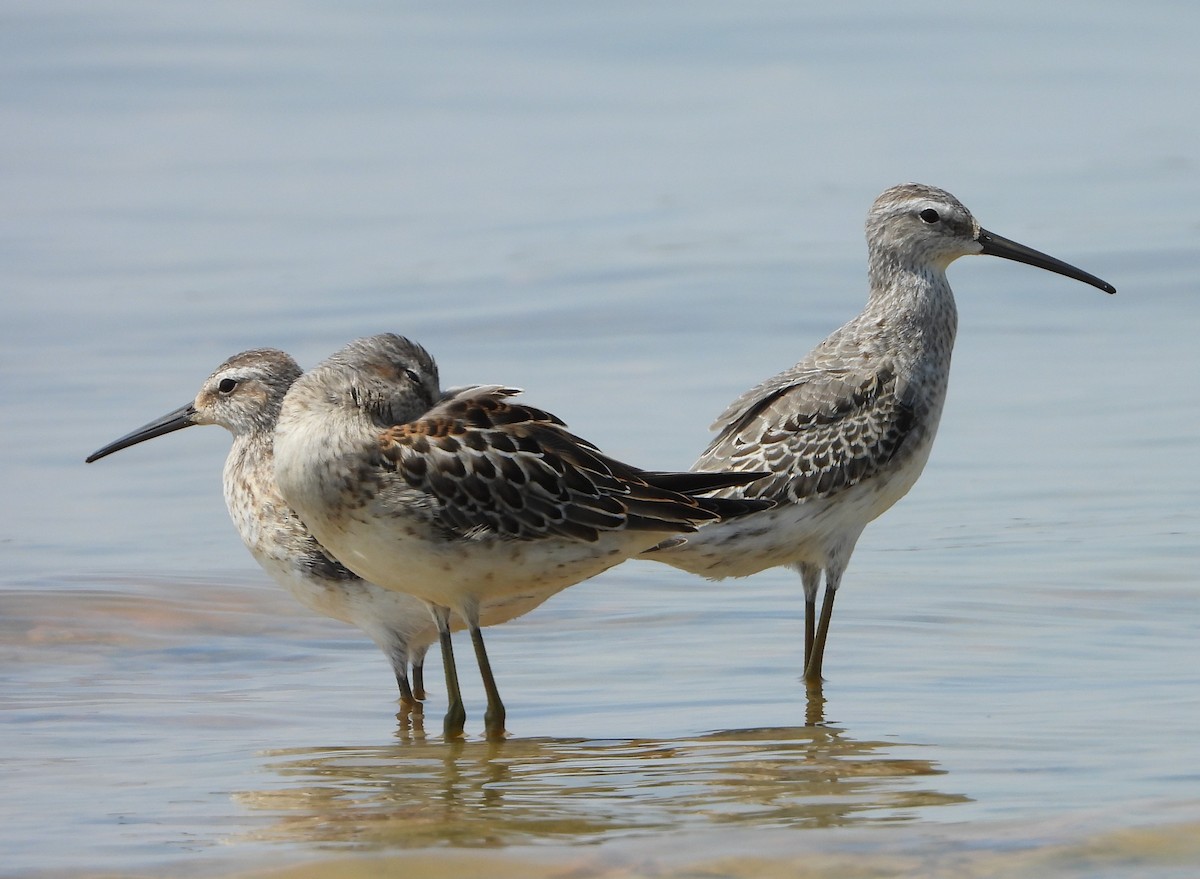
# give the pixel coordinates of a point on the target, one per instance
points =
(493, 718)
(398, 655)
(810, 576)
(456, 714)
(407, 699)
(418, 680)
(812, 668)
(833, 579)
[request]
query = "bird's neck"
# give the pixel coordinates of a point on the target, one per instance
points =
(317, 453)
(912, 295)
(249, 480)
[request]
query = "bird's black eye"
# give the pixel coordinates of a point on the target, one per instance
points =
(413, 376)
(929, 215)
(227, 386)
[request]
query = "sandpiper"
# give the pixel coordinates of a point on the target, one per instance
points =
(243, 395)
(846, 432)
(465, 498)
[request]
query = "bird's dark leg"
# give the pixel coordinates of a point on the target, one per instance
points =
(812, 668)
(397, 654)
(493, 718)
(833, 579)
(418, 679)
(810, 576)
(456, 714)
(406, 693)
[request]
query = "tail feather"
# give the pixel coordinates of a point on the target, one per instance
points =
(693, 482)
(732, 507)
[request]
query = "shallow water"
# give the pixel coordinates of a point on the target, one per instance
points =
(635, 214)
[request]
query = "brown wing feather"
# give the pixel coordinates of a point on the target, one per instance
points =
(493, 466)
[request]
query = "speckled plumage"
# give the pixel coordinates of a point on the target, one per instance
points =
(466, 498)
(846, 432)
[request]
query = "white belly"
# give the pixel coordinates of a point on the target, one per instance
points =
(816, 531)
(501, 577)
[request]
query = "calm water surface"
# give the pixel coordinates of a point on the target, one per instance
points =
(634, 214)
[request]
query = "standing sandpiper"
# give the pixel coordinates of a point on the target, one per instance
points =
(846, 432)
(464, 498)
(243, 395)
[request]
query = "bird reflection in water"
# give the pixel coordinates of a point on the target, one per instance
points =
(524, 791)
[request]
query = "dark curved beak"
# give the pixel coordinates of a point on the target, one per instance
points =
(179, 419)
(998, 245)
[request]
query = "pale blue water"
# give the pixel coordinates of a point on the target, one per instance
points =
(634, 214)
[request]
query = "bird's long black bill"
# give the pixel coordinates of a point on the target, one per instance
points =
(172, 421)
(998, 245)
